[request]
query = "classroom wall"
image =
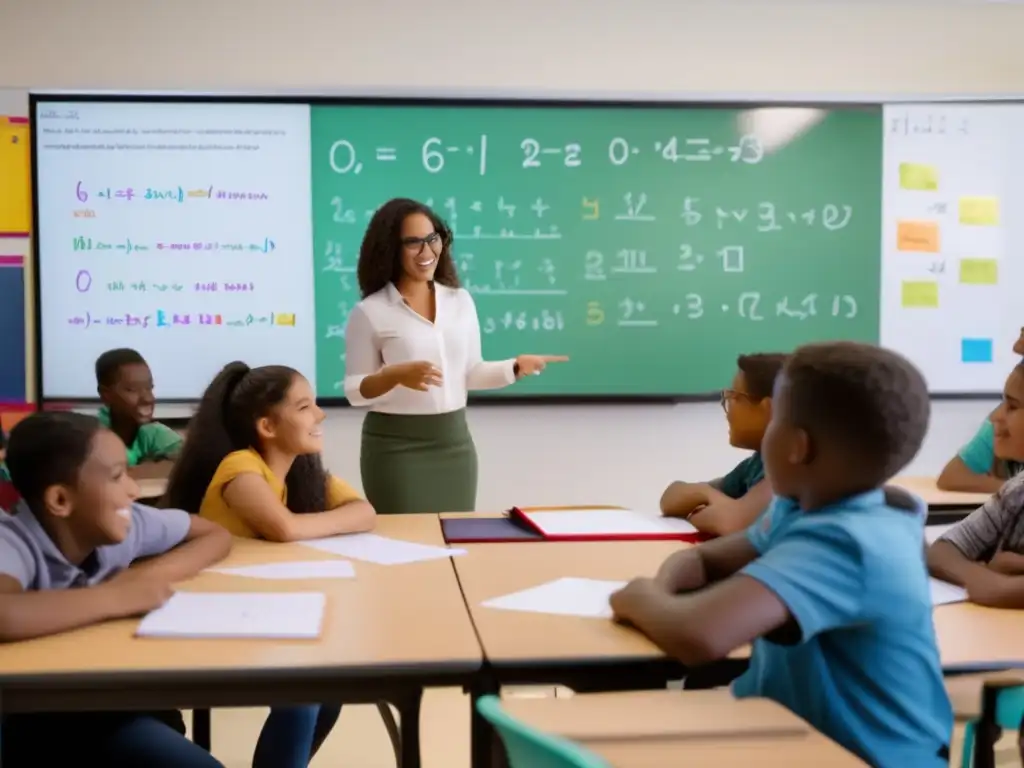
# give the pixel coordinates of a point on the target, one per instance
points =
(654, 47)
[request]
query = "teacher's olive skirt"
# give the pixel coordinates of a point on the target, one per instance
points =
(418, 464)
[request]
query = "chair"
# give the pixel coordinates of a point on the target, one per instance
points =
(967, 695)
(528, 748)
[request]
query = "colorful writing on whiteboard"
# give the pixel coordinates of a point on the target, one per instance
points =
(142, 287)
(164, 319)
(81, 243)
(174, 194)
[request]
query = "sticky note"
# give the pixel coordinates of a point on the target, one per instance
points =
(976, 350)
(920, 294)
(919, 177)
(15, 193)
(979, 211)
(919, 236)
(979, 271)
(284, 318)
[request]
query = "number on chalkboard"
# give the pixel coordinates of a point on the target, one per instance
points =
(573, 155)
(594, 266)
(433, 160)
(618, 151)
(670, 150)
(531, 151)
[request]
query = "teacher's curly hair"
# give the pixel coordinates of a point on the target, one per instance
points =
(380, 256)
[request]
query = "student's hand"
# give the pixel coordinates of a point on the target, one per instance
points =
(531, 364)
(1007, 563)
(419, 375)
(136, 594)
(681, 572)
(688, 498)
(624, 602)
(988, 588)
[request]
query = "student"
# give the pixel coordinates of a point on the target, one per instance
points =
(125, 385)
(733, 502)
(251, 462)
(64, 563)
(829, 584)
(412, 355)
(980, 467)
(8, 495)
(985, 551)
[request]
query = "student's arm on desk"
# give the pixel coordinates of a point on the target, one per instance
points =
(165, 554)
(805, 585)
(958, 555)
(682, 499)
(251, 498)
(725, 516)
(957, 476)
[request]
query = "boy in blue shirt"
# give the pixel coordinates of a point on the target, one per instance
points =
(829, 584)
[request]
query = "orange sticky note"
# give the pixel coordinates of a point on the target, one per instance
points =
(919, 236)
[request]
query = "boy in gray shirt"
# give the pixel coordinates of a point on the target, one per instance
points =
(65, 553)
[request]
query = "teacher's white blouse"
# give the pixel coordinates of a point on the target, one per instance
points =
(383, 330)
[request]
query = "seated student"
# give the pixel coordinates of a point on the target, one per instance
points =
(8, 495)
(251, 462)
(839, 612)
(985, 551)
(733, 502)
(980, 467)
(64, 563)
(125, 385)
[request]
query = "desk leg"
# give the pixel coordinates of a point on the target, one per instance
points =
(987, 732)
(202, 730)
(485, 749)
(409, 722)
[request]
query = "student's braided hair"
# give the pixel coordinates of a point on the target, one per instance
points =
(871, 401)
(226, 421)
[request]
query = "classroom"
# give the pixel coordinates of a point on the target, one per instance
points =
(884, 129)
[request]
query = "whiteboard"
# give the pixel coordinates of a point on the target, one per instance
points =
(953, 201)
(182, 230)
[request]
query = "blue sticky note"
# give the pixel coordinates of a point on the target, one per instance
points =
(976, 350)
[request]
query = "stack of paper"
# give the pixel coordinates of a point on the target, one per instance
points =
(943, 593)
(377, 549)
(563, 597)
(238, 615)
(299, 569)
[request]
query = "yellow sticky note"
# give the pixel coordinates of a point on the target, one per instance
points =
(284, 318)
(919, 177)
(979, 271)
(15, 195)
(918, 294)
(919, 236)
(979, 211)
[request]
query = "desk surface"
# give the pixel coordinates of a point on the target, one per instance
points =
(925, 488)
(151, 487)
(374, 622)
(620, 727)
(493, 570)
(972, 637)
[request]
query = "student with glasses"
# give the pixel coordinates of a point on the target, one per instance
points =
(412, 353)
(731, 503)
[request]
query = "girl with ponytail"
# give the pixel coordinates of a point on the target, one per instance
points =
(251, 462)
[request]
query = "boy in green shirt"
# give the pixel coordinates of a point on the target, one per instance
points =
(125, 385)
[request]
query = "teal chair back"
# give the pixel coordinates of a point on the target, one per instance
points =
(528, 748)
(1009, 716)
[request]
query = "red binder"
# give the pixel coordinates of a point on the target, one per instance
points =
(603, 524)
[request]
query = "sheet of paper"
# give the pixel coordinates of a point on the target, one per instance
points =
(920, 294)
(563, 597)
(943, 593)
(919, 177)
(608, 522)
(299, 569)
(280, 615)
(917, 236)
(933, 532)
(372, 548)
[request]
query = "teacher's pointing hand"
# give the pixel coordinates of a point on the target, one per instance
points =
(528, 365)
(419, 375)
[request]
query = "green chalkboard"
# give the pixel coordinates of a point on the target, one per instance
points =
(651, 244)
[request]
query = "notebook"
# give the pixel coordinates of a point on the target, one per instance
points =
(597, 524)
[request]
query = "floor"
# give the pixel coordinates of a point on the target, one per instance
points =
(360, 741)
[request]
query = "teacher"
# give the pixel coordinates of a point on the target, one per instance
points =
(412, 353)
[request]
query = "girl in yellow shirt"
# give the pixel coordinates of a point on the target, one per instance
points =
(251, 462)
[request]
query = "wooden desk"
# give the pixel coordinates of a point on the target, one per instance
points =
(972, 638)
(938, 500)
(151, 488)
(653, 729)
(388, 633)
